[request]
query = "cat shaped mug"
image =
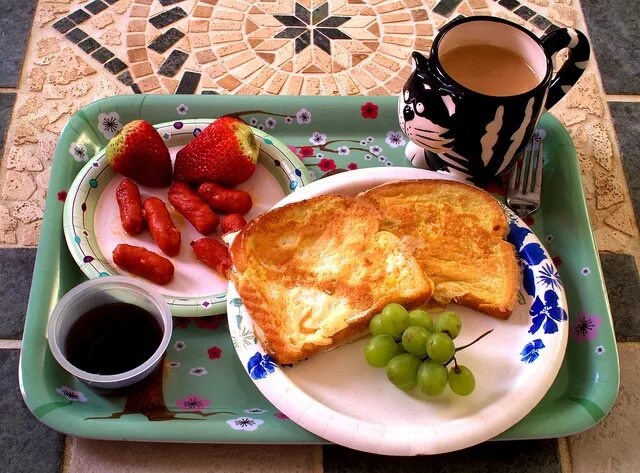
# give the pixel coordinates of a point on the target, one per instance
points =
(472, 135)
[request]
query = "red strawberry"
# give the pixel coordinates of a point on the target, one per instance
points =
(225, 152)
(139, 153)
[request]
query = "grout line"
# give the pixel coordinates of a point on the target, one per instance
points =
(7, 90)
(10, 344)
(66, 455)
(565, 456)
(623, 98)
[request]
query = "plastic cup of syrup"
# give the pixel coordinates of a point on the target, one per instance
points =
(110, 332)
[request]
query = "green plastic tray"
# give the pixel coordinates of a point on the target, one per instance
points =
(202, 393)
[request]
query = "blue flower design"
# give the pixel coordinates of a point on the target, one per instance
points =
(517, 234)
(531, 351)
(532, 254)
(548, 313)
(528, 281)
(260, 366)
(550, 277)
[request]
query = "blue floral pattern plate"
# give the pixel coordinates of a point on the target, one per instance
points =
(337, 396)
(92, 225)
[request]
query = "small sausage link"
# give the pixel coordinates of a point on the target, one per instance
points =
(232, 223)
(223, 200)
(214, 254)
(145, 263)
(162, 229)
(193, 208)
(130, 206)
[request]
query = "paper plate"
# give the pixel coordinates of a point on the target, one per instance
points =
(92, 225)
(339, 397)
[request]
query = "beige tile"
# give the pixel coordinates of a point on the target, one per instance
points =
(136, 25)
(612, 445)
(137, 54)
(201, 11)
(97, 456)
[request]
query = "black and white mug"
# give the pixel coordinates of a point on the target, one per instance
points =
(472, 135)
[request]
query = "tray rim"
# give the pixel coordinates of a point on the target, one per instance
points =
(607, 392)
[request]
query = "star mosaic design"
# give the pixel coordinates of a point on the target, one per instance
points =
(307, 26)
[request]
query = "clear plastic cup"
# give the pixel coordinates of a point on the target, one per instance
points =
(97, 292)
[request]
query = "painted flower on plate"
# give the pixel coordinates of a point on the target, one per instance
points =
(585, 327)
(585, 271)
(319, 155)
(198, 371)
(303, 117)
(382, 158)
(182, 109)
(549, 277)
(210, 322)
(253, 121)
(327, 165)
(193, 401)
(79, 152)
(305, 151)
(343, 150)
(394, 139)
(528, 281)
(388, 163)
(71, 395)
(260, 366)
(244, 423)
(517, 234)
(173, 364)
(318, 138)
(368, 157)
(109, 124)
(270, 123)
(352, 166)
(255, 410)
(369, 110)
(214, 353)
(531, 351)
(179, 345)
(288, 120)
(364, 142)
(600, 350)
(546, 314)
(62, 196)
(375, 149)
(369, 139)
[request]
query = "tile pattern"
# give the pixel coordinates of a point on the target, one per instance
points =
(540, 456)
(26, 445)
(16, 270)
(623, 288)
(615, 32)
(15, 24)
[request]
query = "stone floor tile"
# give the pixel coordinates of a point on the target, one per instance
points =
(16, 269)
(97, 456)
(541, 456)
(626, 119)
(15, 24)
(26, 445)
(612, 445)
(623, 287)
(6, 109)
(615, 32)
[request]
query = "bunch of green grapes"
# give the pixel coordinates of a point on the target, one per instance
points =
(416, 349)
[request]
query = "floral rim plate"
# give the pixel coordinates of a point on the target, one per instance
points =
(92, 226)
(337, 396)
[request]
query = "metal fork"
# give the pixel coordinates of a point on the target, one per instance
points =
(525, 184)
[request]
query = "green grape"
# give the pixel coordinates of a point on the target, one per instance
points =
(376, 325)
(402, 370)
(448, 322)
(380, 350)
(394, 319)
(440, 347)
(414, 340)
(432, 378)
(421, 318)
(461, 380)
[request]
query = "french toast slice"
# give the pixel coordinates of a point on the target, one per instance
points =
(460, 231)
(312, 274)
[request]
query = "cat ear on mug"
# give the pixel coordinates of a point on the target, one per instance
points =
(421, 62)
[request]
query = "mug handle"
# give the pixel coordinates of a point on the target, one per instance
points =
(572, 69)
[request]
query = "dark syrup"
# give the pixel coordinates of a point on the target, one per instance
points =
(112, 338)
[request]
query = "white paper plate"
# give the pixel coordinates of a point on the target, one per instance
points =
(93, 229)
(337, 396)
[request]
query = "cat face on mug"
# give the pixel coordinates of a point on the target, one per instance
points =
(426, 115)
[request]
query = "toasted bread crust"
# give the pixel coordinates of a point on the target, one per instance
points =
(463, 230)
(312, 274)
